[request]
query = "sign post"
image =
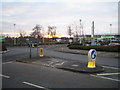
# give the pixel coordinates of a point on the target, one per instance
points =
(30, 52)
(92, 54)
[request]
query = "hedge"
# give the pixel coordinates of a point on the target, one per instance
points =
(98, 48)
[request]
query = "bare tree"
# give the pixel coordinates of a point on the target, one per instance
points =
(22, 33)
(21, 40)
(37, 30)
(52, 30)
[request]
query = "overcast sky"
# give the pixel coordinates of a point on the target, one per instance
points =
(59, 13)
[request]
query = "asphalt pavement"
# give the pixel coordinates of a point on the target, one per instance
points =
(45, 72)
(39, 76)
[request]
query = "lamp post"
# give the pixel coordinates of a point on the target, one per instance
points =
(110, 32)
(92, 34)
(80, 30)
(80, 26)
(110, 28)
(14, 35)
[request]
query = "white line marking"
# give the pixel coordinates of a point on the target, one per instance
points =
(51, 63)
(4, 76)
(59, 63)
(109, 74)
(110, 67)
(6, 62)
(105, 78)
(34, 85)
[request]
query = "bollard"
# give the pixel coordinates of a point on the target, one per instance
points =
(32, 45)
(92, 54)
(41, 52)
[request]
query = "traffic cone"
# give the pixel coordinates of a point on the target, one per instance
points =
(41, 52)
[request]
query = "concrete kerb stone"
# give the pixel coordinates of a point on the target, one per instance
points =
(28, 60)
(74, 66)
(80, 67)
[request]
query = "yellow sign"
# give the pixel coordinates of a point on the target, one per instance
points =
(36, 36)
(92, 64)
(32, 45)
(41, 52)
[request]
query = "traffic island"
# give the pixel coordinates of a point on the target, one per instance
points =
(80, 67)
(91, 67)
(28, 60)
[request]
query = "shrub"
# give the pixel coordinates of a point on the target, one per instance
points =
(98, 48)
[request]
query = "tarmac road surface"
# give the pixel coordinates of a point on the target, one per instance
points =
(24, 75)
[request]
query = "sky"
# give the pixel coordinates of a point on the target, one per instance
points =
(60, 13)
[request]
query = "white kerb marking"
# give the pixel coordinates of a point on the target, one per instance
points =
(4, 76)
(6, 62)
(34, 85)
(105, 78)
(74, 65)
(110, 67)
(109, 74)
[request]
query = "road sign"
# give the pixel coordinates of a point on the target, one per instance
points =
(41, 52)
(92, 54)
(2, 38)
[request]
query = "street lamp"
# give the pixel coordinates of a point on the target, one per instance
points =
(14, 35)
(110, 32)
(110, 28)
(81, 32)
(80, 26)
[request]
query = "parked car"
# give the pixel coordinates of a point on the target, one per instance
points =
(114, 44)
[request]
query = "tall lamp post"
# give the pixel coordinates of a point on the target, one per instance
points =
(110, 32)
(81, 32)
(14, 35)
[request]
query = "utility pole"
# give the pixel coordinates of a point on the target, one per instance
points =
(14, 35)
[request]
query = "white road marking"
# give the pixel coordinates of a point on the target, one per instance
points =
(60, 63)
(51, 63)
(110, 67)
(75, 65)
(1, 52)
(108, 74)
(4, 76)
(105, 78)
(34, 85)
(6, 62)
